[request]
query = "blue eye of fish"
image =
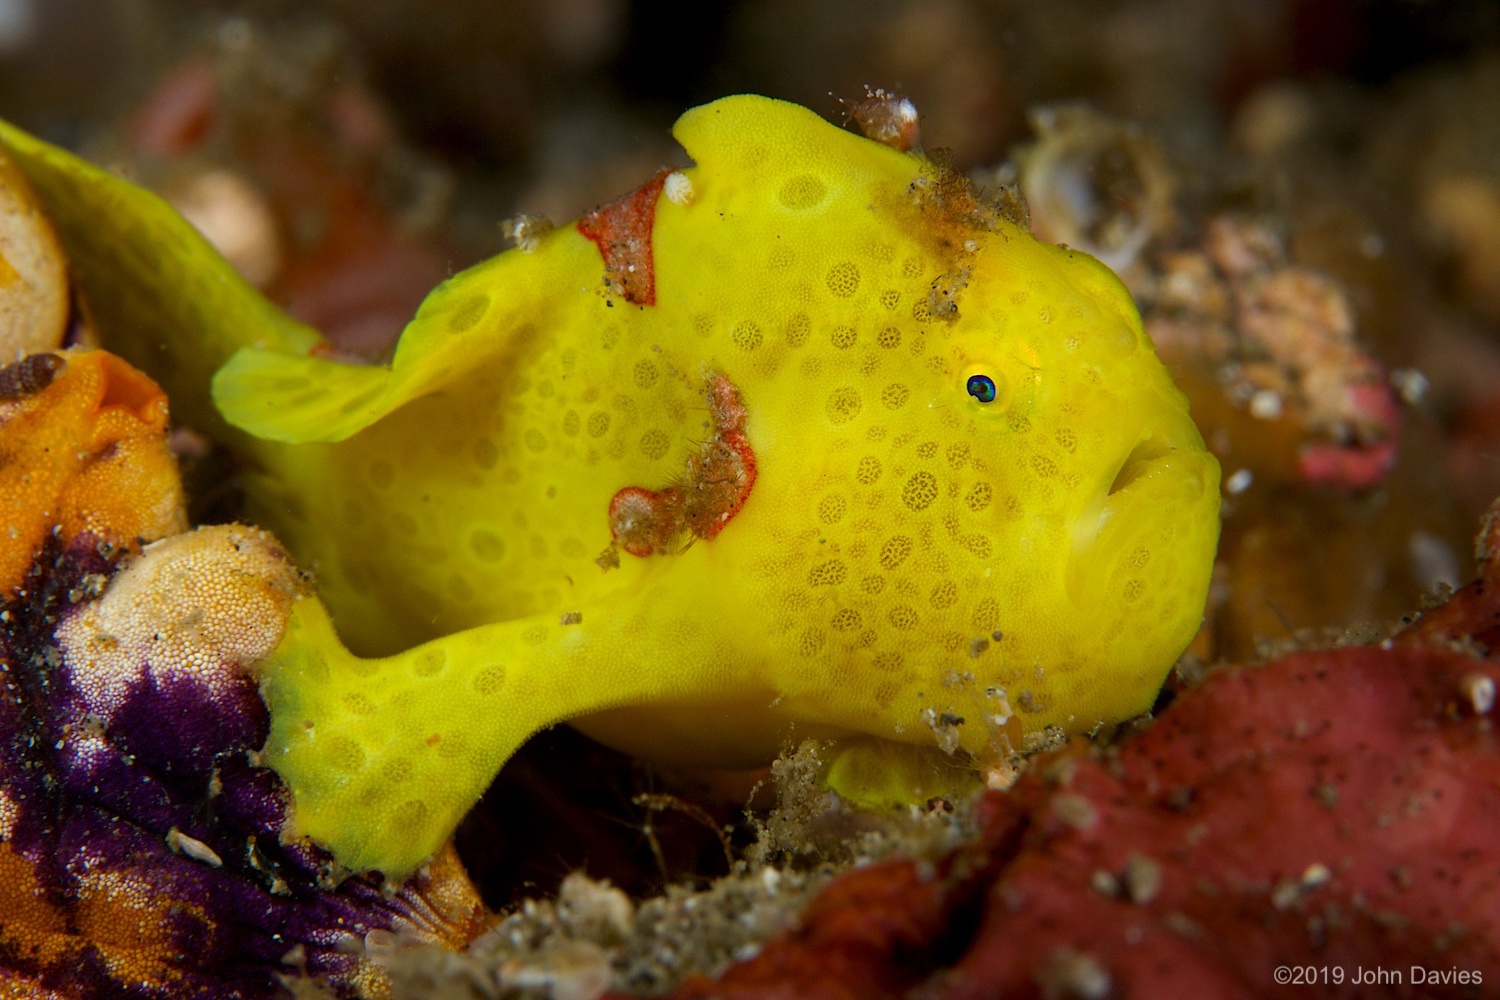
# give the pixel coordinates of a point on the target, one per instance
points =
(982, 388)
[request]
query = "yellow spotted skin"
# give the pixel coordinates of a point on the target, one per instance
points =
(908, 553)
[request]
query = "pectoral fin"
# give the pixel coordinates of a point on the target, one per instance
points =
(384, 756)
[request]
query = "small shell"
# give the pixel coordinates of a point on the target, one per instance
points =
(1095, 184)
(29, 376)
(889, 118)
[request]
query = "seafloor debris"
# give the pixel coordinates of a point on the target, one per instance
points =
(593, 937)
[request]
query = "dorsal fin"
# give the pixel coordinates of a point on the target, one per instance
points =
(748, 133)
(473, 316)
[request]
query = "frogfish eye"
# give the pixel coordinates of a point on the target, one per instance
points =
(982, 388)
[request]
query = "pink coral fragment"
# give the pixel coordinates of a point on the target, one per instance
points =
(1358, 466)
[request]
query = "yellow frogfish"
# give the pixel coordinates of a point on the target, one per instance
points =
(803, 439)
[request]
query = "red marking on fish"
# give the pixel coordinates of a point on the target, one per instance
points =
(715, 485)
(725, 470)
(643, 521)
(622, 232)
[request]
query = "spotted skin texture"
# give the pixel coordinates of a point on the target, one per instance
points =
(907, 554)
